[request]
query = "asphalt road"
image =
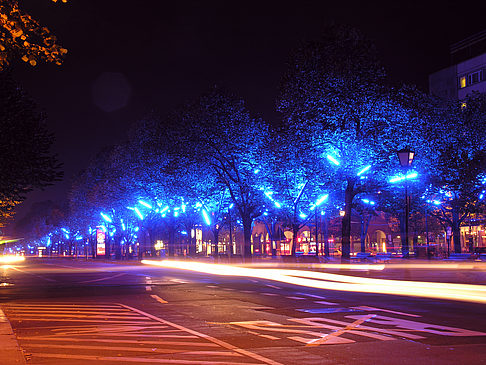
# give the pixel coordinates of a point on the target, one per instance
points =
(75, 312)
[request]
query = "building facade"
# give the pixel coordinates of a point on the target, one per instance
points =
(467, 72)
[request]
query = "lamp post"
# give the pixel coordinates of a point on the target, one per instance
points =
(405, 156)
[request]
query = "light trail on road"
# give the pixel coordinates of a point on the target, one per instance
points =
(319, 280)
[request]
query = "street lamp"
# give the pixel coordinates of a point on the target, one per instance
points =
(405, 156)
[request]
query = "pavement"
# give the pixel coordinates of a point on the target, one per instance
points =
(11, 353)
(449, 350)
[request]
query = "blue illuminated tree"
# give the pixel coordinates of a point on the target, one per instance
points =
(459, 175)
(221, 134)
(334, 92)
(295, 184)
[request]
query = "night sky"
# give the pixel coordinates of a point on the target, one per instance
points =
(128, 57)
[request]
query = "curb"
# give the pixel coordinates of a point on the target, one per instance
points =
(10, 354)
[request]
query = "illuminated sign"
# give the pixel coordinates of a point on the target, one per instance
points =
(100, 242)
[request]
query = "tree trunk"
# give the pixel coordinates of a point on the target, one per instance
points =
(326, 236)
(247, 237)
(346, 223)
(363, 235)
(216, 243)
(456, 230)
(118, 250)
(295, 231)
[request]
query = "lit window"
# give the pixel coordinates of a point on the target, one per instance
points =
(462, 82)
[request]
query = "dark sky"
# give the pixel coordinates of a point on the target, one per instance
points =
(126, 57)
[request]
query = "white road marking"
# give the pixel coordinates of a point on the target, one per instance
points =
(97, 359)
(138, 342)
(102, 279)
(26, 272)
(122, 333)
(67, 305)
(82, 311)
(159, 299)
(296, 298)
(133, 349)
(270, 294)
(312, 295)
(273, 286)
(349, 327)
(207, 337)
(325, 303)
(70, 320)
(371, 309)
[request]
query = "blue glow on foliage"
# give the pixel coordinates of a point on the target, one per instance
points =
(176, 214)
(364, 170)
(138, 213)
(106, 218)
(147, 205)
(64, 230)
(165, 209)
(277, 204)
(123, 225)
(137, 229)
(206, 217)
(103, 228)
(198, 205)
(319, 201)
(184, 232)
(367, 201)
(302, 215)
(333, 160)
(403, 177)
(256, 171)
(231, 206)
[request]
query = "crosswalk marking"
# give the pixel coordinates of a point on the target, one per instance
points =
(113, 332)
(159, 299)
(97, 359)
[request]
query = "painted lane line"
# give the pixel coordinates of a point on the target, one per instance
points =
(229, 289)
(102, 279)
(73, 320)
(25, 311)
(39, 276)
(164, 343)
(248, 291)
(270, 337)
(159, 299)
(273, 286)
(148, 288)
(270, 294)
(312, 295)
(55, 316)
(296, 298)
(325, 303)
(97, 359)
(366, 308)
(212, 286)
(134, 349)
(207, 337)
(67, 306)
(264, 336)
(338, 333)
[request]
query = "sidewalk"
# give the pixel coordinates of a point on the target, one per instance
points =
(10, 354)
